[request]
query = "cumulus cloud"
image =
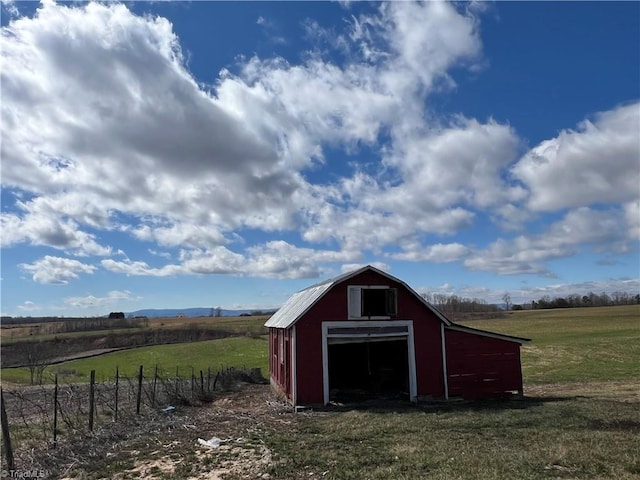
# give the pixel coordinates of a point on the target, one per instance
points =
(41, 228)
(599, 162)
(28, 306)
(438, 253)
(601, 230)
(127, 141)
(114, 297)
(349, 267)
(126, 136)
(11, 8)
(123, 126)
(276, 259)
(632, 218)
(56, 270)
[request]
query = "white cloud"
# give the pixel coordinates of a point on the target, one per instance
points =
(125, 134)
(129, 267)
(349, 267)
(597, 163)
(276, 259)
(56, 270)
(429, 38)
(180, 234)
(114, 297)
(438, 253)
(123, 127)
(601, 230)
(125, 140)
(632, 217)
(28, 306)
(11, 8)
(41, 227)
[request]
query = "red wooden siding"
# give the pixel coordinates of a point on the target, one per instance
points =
(280, 360)
(480, 366)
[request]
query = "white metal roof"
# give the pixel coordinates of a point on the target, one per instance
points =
(296, 306)
(299, 303)
(486, 333)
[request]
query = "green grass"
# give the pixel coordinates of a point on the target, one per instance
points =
(232, 324)
(228, 352)
(575, 345)
(572, 437)
(568, 438)
(558, 434)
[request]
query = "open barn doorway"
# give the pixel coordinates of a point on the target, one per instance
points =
(368, 369)
(367, 360)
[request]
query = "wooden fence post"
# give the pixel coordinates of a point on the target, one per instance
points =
(92, 392)
(6, 438)
(153, 393)
(55, 412)
(139, 391)
(115, 419)
(193, 379)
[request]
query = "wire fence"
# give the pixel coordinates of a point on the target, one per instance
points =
(45, 414)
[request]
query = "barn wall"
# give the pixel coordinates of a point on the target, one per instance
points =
(334, 307)
(480, 366)
(280, 360)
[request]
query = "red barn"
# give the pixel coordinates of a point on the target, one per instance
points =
(367, 334)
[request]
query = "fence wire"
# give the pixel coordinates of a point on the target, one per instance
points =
(47, 415)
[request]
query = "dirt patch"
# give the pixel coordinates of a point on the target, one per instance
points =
(224, 439)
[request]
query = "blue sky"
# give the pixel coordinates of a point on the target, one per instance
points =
(182, 154)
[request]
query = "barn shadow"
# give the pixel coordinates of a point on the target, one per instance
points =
(398, 405)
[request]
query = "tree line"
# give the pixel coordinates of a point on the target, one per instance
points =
(589, 300)
(453, 304)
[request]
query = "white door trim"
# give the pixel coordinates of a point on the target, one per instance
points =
(411, 354)
(294, 373)
(444, 363)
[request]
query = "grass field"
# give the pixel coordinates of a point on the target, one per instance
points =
(568, 345)
(244, 351)
(575, 345)
(572, 438)
(579, 419)
(30, 332)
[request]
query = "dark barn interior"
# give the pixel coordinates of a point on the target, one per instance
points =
(364, 370)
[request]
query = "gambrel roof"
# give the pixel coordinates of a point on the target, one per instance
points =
(300, 302)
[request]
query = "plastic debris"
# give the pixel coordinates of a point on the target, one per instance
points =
(213, 442)
(169, 409)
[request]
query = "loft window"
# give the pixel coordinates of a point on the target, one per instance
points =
(378, 301)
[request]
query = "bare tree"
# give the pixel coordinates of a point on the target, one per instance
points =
(36, 362)
(506, 298)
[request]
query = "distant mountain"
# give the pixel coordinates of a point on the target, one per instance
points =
(189, 312)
